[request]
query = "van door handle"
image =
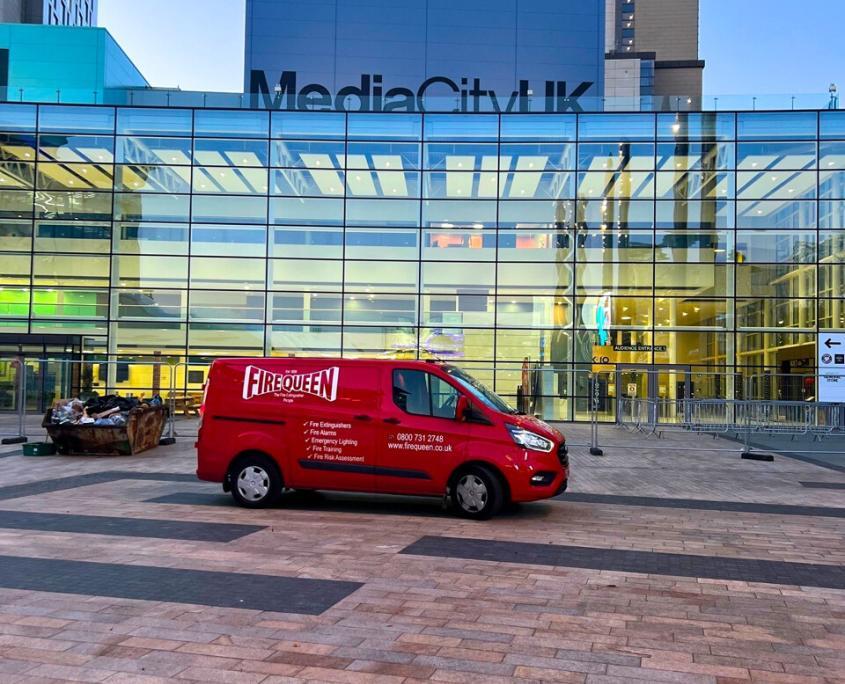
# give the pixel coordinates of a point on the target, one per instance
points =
(392, 421)
(363, 417)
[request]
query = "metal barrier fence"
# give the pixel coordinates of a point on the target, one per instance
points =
(13, 401)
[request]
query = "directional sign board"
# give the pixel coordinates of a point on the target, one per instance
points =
(831, 365)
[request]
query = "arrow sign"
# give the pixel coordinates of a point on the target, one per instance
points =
(830, 343)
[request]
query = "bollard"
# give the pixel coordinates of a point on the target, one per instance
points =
(595, 450)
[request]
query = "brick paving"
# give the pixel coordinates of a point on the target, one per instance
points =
(422, 618)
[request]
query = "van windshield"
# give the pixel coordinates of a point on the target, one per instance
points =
(486, 396)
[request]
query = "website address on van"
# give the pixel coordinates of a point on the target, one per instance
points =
(409, 446)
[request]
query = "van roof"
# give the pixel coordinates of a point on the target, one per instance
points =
(327, 359)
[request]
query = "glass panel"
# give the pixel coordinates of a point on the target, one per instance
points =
(696, 126)
(17, 175)
(625, 278)
(473, 310)
(151, 238)
(228, 339)
(149, 207)
(776, 214)
(380, 183)
(307, 242)
(461, 127)
(557, 214)
(230, 152)
(678, 247)
(686, 348)
(616, 157)
(379, 276)
(152, 304)
(13, 304)
(15, 269)
(832, 184)
(75, 176)
(616, 214)
(625, 311)
(82, 206)
(602, 245)
(61, 303)
(682, 215)
(616, 126)
(533, 127)
(227, 273)
(227, 306)
(148, 121)
(519, 278)
(305, 307)
(458, 185)
(15, 235)
(295, 340)
(536, 185)
(458, 213)
(380, 309)
(317, 125)
(57, 236)
(776, 125)
(308, 154)
(392, 245)
(691, 312)
(314, 274)
(538, 156)
(231, 240)
(620, 185)
(701, 280)
(385, 126)
(64, 119)
(776, 185)
(378, 212)
(533, 311)
(832, 214)
(17, 147)
(231, 124)
(831, 246)
(230, 181)
(695, 156)
(775, 313)
(534, 245)
(304, 211)
(149, 271)
(216, 209)
(15, 204)
(57, 269)
(446, 276)
(154, 150)
(772, 247)
(374, 341)
(381, 155)
(695, 185)
(17, 117)
(831, 125)
(776, 280)
(76, 148)
(141, 338)
(773, 155)
(462, 157)
(145, 178)
(452, 244)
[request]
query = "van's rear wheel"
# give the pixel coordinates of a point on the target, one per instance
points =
(477, 493)
(255, 481)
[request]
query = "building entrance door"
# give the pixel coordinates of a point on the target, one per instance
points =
(665, 388)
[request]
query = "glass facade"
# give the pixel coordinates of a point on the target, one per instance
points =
(705, 245)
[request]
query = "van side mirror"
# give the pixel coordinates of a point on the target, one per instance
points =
(462, 409)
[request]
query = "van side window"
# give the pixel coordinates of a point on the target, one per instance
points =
(424, 394)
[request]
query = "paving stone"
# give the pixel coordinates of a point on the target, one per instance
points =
(650, 563)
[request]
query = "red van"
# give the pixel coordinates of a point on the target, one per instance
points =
(395, 427)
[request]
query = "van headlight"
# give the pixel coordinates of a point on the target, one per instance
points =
(528, 439)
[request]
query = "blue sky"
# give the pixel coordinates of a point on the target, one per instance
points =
(751, 46)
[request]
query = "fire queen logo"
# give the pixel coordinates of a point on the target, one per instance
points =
(321, 383)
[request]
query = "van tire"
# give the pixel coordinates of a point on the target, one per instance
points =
(255, 481)
(476, 492)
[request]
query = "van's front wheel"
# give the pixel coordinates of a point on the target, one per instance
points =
(477, 493)
(255, 481)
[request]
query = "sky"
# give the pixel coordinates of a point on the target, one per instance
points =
(753, 47)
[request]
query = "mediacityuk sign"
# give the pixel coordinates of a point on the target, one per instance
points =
(371, 95)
